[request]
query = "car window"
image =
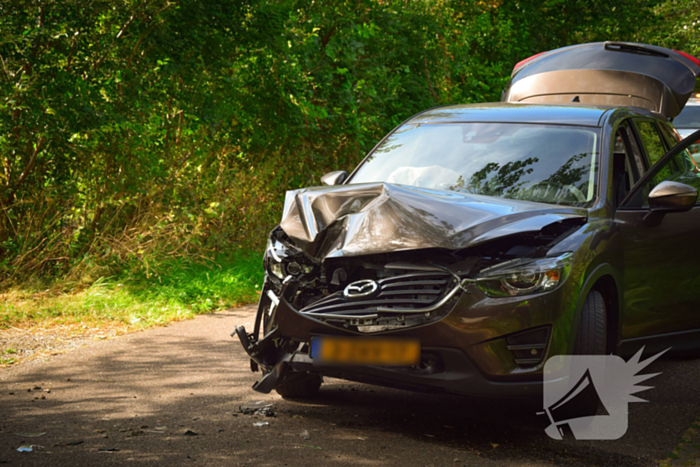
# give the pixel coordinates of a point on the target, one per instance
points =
(635, 153)
(623, 172)
(651, 140)
(674, 138)
(670, 135)
(680, 169)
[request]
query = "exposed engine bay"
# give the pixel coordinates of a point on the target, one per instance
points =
(392, 291)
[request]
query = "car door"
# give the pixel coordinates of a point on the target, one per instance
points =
(661, 280)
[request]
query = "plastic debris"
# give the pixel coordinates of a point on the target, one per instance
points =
(70, 443)
(28, 447)
(161, 428)
(191, 433)
(258, 408)
(30, 435)
(261, 423)
(108, 449)
(305, 434)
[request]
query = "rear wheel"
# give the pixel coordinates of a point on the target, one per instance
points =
(300, 385)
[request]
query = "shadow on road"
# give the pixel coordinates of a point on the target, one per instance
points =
(193, 376)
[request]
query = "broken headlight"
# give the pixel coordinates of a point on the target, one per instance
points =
(282, 260)
(276, 253)
(525, 276)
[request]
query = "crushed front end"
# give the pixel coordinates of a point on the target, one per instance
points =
(476, 336)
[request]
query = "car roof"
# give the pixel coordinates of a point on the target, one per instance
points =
(503, 112)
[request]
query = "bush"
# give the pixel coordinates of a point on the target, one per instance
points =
(137, 132)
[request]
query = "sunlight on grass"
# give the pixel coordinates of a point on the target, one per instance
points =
(185, 289)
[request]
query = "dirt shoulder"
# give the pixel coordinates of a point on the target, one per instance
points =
(22, 345)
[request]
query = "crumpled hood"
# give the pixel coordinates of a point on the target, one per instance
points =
(354, 220)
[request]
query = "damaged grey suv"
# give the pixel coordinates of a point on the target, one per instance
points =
(476, 241)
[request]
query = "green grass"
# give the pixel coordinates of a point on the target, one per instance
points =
(180, 291)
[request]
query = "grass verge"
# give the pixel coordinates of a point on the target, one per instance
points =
(123, 304)
(687, 453)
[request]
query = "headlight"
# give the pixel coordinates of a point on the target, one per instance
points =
(525, 276)
(275, 255)
(282, 260)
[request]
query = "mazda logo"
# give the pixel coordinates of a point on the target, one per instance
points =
(361, 288)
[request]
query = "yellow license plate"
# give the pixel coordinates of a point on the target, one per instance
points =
(365, 351)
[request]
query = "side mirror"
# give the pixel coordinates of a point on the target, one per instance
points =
(334, 178)
(672, 196)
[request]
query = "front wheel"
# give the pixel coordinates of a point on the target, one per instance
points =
(592, 326)
(591, 337)
(300, 385)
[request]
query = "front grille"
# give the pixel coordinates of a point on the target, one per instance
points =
(404, 294)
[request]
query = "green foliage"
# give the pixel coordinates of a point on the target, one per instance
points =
(135, 301)
(135, 133)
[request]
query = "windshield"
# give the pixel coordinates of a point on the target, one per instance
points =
(554, 164)
(688, 118)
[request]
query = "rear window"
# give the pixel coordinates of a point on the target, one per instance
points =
(688, 118)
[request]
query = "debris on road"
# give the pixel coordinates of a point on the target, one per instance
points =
(310, 446)
(191, 433)
(108, 449)
(261, 423)
(258, 408)
(28, 447)
(69, 443)
(305, 434)
(30, 435)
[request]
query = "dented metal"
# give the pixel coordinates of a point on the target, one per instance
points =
(365, 219)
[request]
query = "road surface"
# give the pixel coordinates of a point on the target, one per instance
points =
(130, 401)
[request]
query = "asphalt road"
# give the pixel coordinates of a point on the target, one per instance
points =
(139, 394)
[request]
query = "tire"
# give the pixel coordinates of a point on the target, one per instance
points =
(300, 386)
(591, 336)
(591, 339)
